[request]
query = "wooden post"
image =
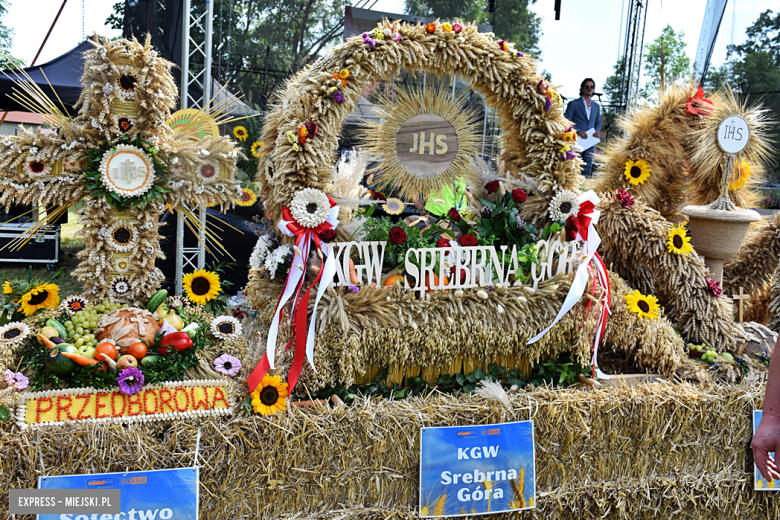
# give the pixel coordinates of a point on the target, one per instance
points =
(739, 297)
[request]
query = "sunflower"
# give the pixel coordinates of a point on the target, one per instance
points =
(74, 304)
(678, 242)
(7, 289)
(202, 286)
(14, 332)
(637, 172)
(247, 197)
(40, 297)
(226, 327)
(394, 206)
(240, 133)
(270, 396)
(256, 146)
(123, 236)
(744, 174)
(644, 306)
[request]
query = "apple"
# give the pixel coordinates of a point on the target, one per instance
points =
(48, 333)
(126, 361)
(87, 351)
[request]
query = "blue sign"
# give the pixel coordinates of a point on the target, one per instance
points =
(477, 470)
(146, 495)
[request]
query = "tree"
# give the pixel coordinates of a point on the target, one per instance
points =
(763, 36)
(513, 20)
(612, 92)
(669, 49)
(6, 60)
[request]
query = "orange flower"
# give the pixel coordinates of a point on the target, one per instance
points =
(302, 132)
(430, 27)
(343, 73)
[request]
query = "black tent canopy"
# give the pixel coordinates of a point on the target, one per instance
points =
(63, 74)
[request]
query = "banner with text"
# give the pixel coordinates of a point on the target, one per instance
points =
(146, 495)
(475, 470)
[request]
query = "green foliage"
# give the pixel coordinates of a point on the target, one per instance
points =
(378, 229)
(561, 372)
(9, 309)
(94, 183)
(763, 36)
(676, 64)
(218, 305)
(5, 413)
(6, 60)
(513, 20)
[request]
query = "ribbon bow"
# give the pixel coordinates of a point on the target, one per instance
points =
(293, 285)
(586, 220)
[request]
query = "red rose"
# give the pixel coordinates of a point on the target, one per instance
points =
(328, 235)
(397, 235)
(378, 195)
(492, 186)
(442, 242)
(572, 228)
(453, 215)
(519, 196)
(467, 240)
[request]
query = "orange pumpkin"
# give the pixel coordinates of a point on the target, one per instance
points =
(429, 286)
(397, 280)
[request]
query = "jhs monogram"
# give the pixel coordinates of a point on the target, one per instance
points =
(128, 171)
(421, 145)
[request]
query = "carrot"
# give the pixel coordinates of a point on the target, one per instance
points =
(81, 360)
(352, 273)
(46, 341)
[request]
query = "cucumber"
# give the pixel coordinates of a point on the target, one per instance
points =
(58, 364)
(59, 327)
(156, 300)
(149, 359)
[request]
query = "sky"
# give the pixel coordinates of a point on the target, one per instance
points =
(583, 43)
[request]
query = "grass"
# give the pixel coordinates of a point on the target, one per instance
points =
(68, 261)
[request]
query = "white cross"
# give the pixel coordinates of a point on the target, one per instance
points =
(127, 171)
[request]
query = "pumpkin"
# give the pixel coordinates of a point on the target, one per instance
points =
(429, 286)
(397, 280)
(124, 327)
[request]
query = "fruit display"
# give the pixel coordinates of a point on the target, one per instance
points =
(127, 326)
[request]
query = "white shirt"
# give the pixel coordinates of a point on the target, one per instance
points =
(587, 107)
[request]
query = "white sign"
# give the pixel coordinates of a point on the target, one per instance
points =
(128, 171)
(477, 266)
(733, 134)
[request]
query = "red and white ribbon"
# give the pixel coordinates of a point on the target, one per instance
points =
(586, 218)
(302, 335)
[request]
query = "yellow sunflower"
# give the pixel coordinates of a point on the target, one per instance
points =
(393, 206)
(637, 172)
(644, 306)
(678, 242)
(270, 396)
(40, 297)
(202, 286)
(240, 133)
(247, 198)
(256, 146)
(743, 171)
(7, 289)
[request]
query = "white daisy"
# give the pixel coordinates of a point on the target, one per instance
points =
(14, 332)
(74, 304)
(208, 171)
(260, 252)
(122, 236)
(310, 207)
(108, 88)
(126, 82)
(120, 286)
(563, 205)
(36, 168)
(226, 327)
(276, 258)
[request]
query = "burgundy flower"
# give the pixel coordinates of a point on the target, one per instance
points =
(442, 242)
(547, 104)
(572, 228)
(462, 273)
(328, 235)
(714, 288)
(492, 186)
(519, 196)
(312, 128)
(467, 240)
(397, 235)
(624, 198)
(453, 215)
(378, 195)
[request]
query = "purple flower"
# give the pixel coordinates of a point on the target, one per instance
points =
(368, 40)
(130, 380)
(520, 54)
(354, 289)
(16, 380)
(547, 104)
(227, 364)
(625, 199)
(338, 96)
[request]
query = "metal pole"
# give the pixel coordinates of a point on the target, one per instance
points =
(207, 89)
(265, 75)
(185, 55)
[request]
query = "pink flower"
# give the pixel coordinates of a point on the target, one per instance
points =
(624, 198)
(714, 287)
(228, 365)
(17, 380)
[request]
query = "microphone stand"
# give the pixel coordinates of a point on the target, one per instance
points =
(606, 115)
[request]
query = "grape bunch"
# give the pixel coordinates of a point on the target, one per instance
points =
(81, 324)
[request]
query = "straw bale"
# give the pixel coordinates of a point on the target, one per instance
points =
(657, 450)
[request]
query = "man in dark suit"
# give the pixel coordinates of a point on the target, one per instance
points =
(585, 114)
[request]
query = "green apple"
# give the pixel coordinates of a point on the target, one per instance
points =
(48, 332)
(126, 361)
(86, 350)
(728, 356)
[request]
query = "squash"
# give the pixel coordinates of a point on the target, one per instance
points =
(57, 364)
(397, 280)
(429, 287)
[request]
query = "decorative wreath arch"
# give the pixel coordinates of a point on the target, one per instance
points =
(530, 112)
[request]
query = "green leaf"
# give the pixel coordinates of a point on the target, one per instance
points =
(5, 413)
(487, 203)
(461, 379)
(369, 210)
(248, 405)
